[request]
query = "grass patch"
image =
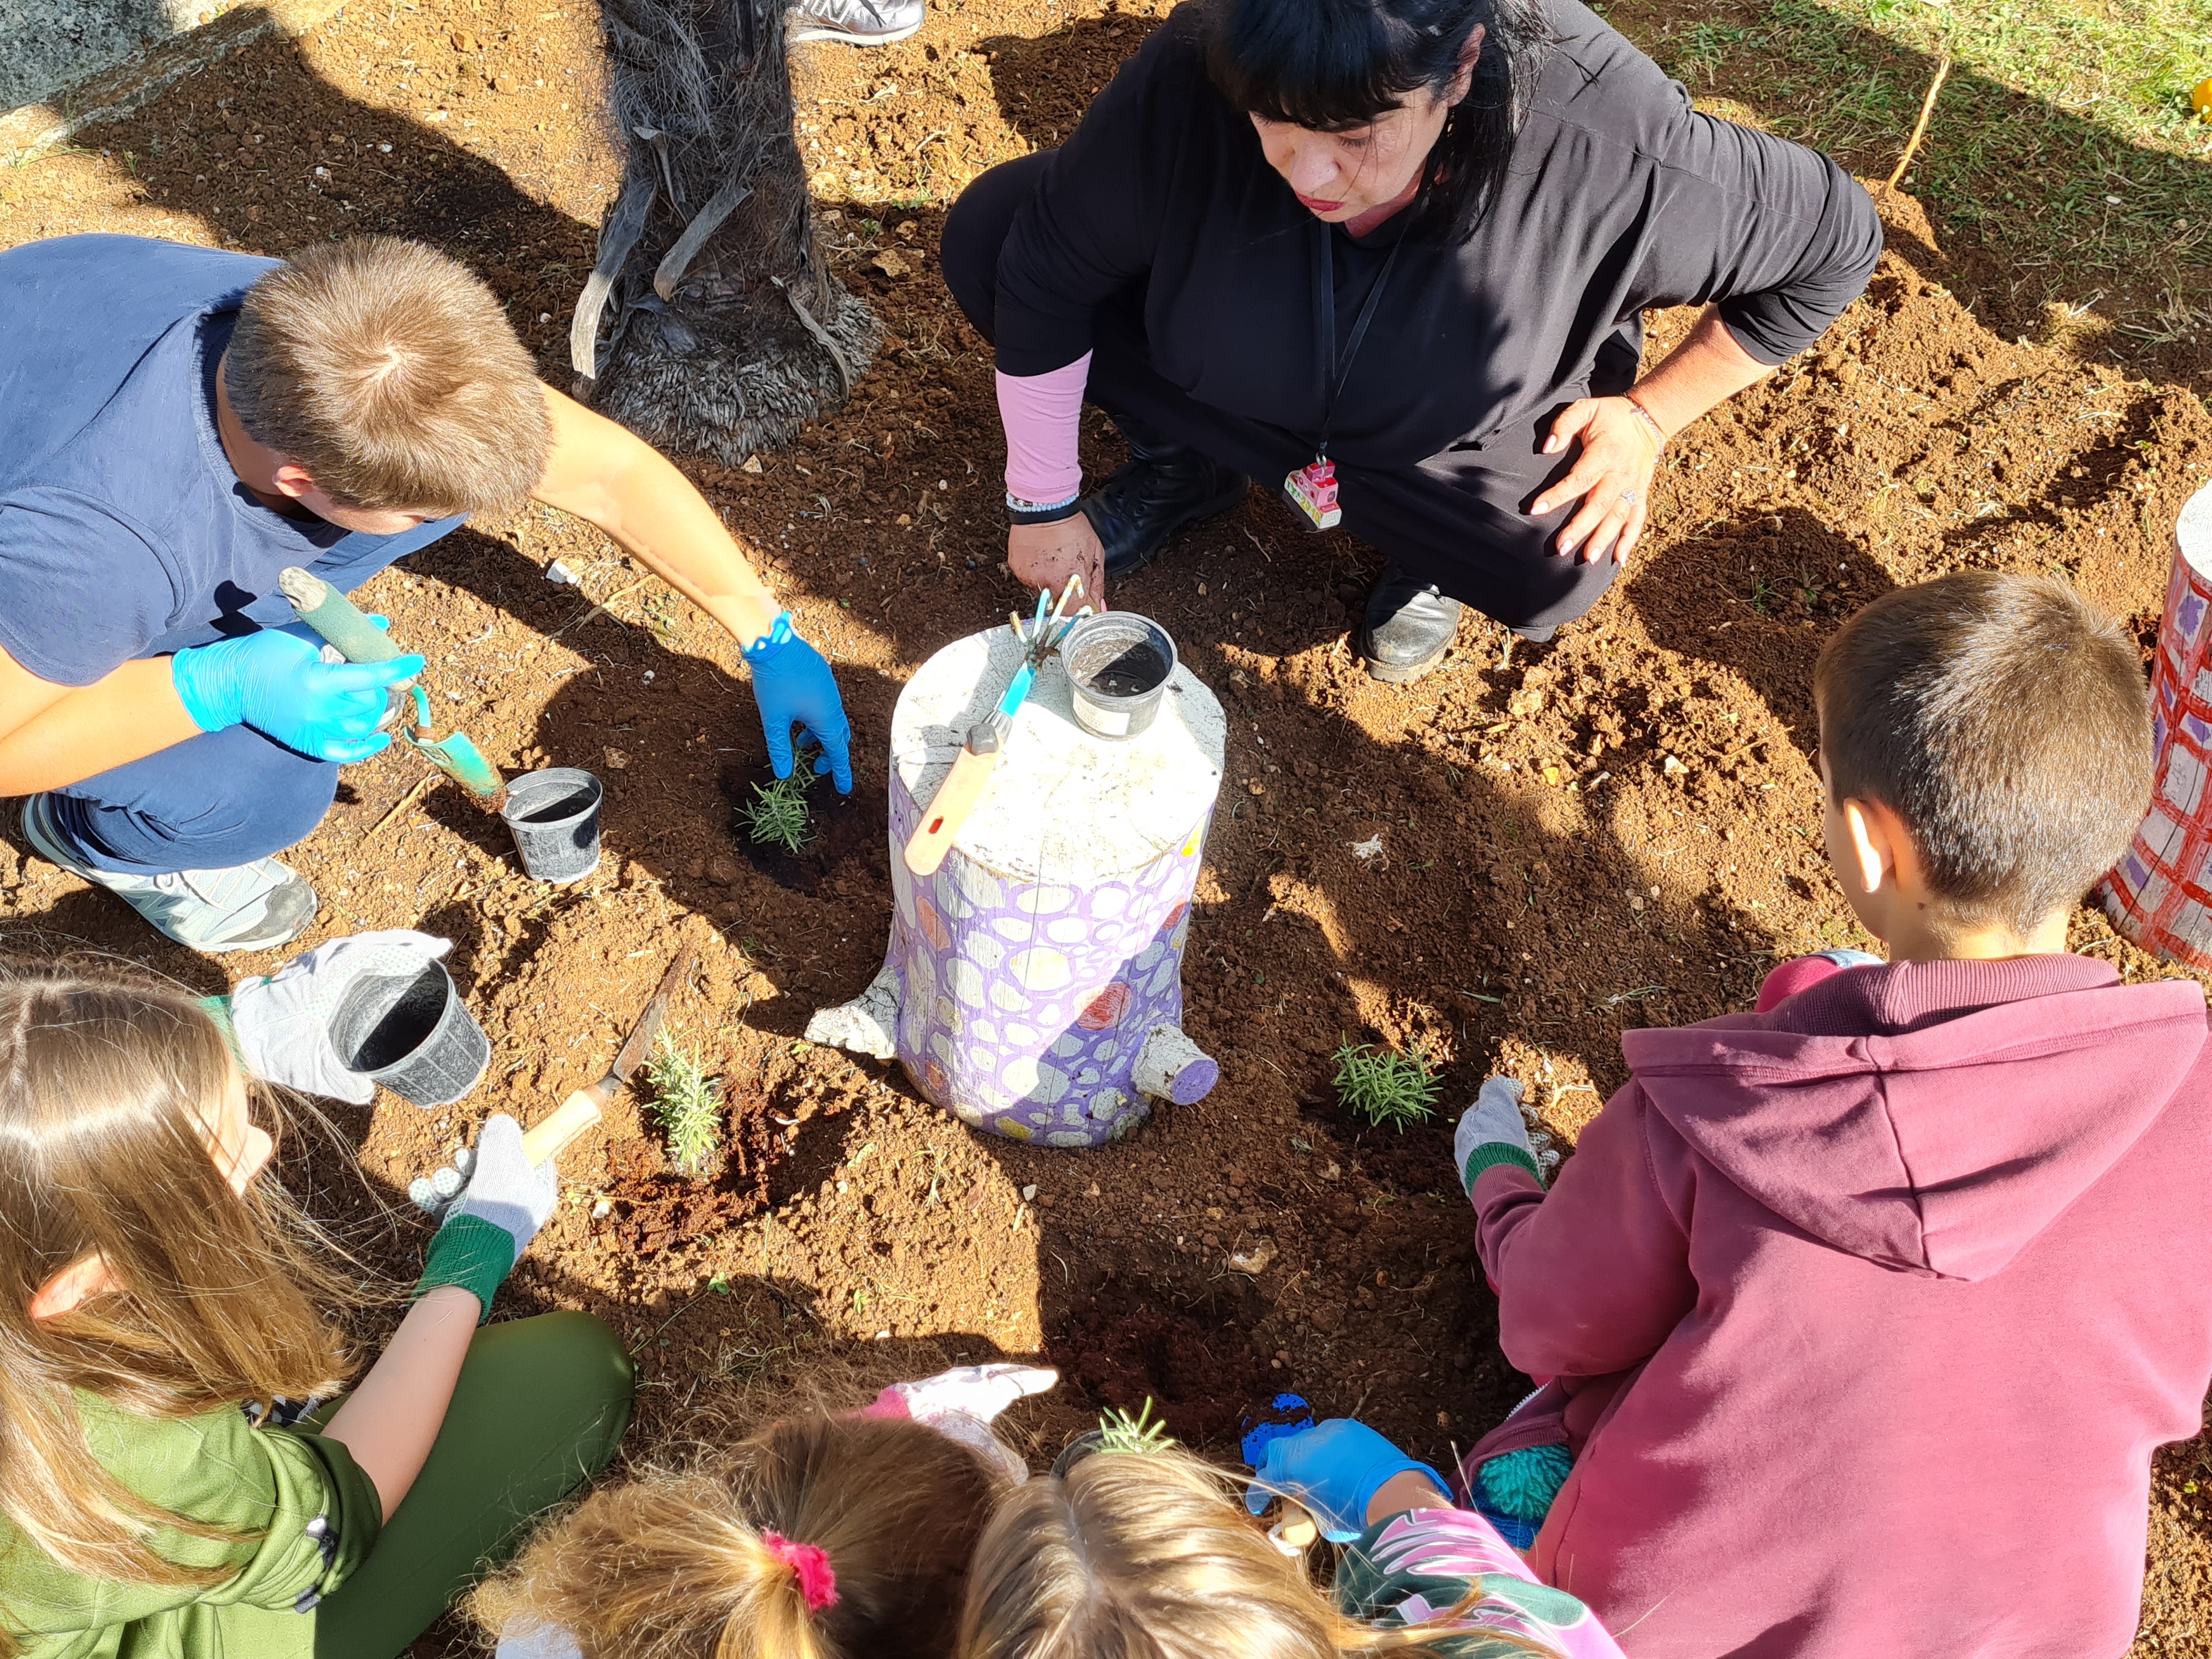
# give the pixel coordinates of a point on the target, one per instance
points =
(1389, 1088)
(2063, 140)
(779, 814)
(686, 1103)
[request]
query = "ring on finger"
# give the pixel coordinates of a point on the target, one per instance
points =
(1628, 497)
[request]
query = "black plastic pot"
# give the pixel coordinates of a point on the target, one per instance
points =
(412, 1033)
(554, 815)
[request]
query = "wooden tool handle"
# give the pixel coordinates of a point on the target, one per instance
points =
(948, 810)
(1296, 1528)
(545, 1138)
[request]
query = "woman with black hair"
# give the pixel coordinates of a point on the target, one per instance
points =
(1391, 256)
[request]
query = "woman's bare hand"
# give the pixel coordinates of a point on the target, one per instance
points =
(1047, 554)
(1611, 477)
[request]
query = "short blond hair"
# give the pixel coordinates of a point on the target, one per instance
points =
(390, 373)
(1148, 1556)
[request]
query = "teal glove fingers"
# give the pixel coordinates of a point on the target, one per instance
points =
(278, 684)
(1491, 1132)
(1334, 1468)
(793, 686)
(485, 1232)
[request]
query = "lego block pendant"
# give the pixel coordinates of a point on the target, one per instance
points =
(1312, 490)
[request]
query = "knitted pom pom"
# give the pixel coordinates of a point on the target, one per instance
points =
(1522, 1484)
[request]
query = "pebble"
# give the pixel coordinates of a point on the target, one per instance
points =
(1028, 1194)
(603, 1209)
(559, 572)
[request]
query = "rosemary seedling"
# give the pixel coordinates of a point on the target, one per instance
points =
(1118, 1431)
(1388, 1088)
(686, 1103)
(778, 815)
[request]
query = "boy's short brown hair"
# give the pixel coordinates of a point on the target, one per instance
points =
(2005, 719)
(389, 372)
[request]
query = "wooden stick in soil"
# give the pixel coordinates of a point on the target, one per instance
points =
(414, 793)
(1920, 127)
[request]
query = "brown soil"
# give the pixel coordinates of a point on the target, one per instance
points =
(1618, 830)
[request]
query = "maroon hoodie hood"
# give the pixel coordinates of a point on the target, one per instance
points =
(1993, 1095)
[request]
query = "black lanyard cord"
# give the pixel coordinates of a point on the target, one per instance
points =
(1326, 305)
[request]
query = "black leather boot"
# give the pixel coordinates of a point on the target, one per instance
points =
(1165, 486)
(1408, 627)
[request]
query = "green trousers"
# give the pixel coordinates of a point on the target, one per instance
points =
(539, 1409)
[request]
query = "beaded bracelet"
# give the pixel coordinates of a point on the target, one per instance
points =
(1658, 432)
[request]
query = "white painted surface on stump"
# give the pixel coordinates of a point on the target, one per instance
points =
(2192, 532)
(1060, 803)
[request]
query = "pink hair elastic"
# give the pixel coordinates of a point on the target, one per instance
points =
(816, 1582)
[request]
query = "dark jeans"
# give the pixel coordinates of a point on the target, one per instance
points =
(1458, 518)
(211, 802)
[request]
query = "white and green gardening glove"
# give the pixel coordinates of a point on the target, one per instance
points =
(490, 1226)
(281, 1021)
(1492, 1132)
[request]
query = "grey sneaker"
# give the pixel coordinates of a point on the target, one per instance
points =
(858, 22)
(251, 907)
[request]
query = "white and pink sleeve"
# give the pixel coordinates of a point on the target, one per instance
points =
(1043, 416)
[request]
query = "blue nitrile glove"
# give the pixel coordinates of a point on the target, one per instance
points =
(498, 1213)
(1491, 1132)
(278, 684)
(1334, 1468)
(793, 686)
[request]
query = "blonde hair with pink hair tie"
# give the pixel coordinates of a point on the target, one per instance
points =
(816, 1581)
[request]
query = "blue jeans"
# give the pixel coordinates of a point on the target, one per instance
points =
(219, 800)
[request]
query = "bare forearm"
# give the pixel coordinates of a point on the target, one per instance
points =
(390, 1419)
(1707, 369)
(1410, 1489)
(133, 712)
(606, 475)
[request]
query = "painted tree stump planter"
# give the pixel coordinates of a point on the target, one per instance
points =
(1033, 985)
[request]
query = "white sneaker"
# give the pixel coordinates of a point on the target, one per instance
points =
(252, 908)
(858, 22)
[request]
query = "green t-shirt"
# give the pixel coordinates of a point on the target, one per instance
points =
(301, 1513)
(1410, 1568)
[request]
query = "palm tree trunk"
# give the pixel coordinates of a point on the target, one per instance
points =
(710, 323)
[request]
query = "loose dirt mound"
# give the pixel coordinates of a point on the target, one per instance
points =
(1508, 862)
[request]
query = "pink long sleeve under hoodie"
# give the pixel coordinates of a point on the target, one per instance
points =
(1864, 1316)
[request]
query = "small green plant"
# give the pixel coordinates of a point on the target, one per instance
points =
(686, 1103)
(1118, 1431)
(778, 815)
(1388, 1088)
(1762, 595)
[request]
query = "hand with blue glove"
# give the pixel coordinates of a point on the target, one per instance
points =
(1334, 1468)
(278, 684)
(793, 686)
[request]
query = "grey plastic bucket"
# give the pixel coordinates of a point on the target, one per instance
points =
(554, 815)
(412, 1033)
(1119, 664)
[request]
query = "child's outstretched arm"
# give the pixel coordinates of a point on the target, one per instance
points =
(393, 1417)
(1592, 1276)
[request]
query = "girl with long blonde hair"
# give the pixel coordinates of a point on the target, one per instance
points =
(162, 1308)
(1147, 1555)
(818, 1537)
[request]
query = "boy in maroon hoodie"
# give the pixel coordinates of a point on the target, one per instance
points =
(1861, 1316)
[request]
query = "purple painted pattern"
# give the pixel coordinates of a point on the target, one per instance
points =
(1025, 1005)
